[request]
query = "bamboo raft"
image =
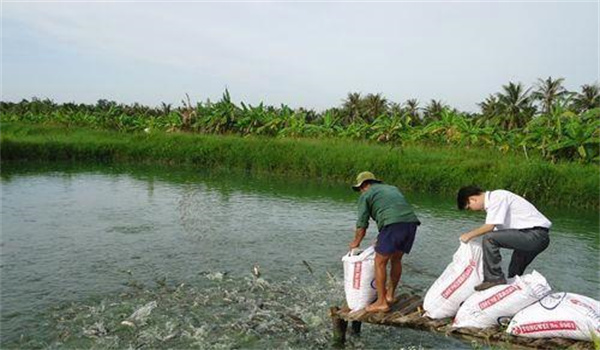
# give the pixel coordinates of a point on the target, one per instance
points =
(408, 312)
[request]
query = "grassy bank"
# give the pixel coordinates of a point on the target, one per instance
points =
(441, 170)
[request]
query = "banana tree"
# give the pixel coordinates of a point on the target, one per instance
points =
(222, 116)
(386, 128)
(329, 124)
(296, 126)
(578, 140)
(358, 130)
(251, 119)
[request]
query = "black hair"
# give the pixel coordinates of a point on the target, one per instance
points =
(462, 198)
(370, 182)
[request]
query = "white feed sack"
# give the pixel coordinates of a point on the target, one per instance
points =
(457, 282)
(359, 278)
(486, 308)
(565, 315)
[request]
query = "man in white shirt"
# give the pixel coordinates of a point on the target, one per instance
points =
(511, 222)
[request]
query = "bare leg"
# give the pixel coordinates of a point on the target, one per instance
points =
(395, 274)
(381, 304)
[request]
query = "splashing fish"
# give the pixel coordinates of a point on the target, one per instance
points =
(143, 312)
(307, 266)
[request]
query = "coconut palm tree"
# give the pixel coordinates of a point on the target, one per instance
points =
(490, 107)
(433, 111)
(352, 108)
(412, 109)
(548, 92)
(516, 107)
(397, 112)
(587, 99)
(395, 108)
(374, 106)
(165, 108)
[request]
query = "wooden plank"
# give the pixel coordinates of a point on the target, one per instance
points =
(407, 312)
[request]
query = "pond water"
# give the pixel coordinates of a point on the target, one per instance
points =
(83, 247)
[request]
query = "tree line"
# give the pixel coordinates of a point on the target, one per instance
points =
(545, 119)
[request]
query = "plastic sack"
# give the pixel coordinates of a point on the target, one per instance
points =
(359, 278)
(565, 315)
(457, 282)
(489, 307)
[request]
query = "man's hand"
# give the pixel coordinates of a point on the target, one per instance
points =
(465, 237)
(358, 237)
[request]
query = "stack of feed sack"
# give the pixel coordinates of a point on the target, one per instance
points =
(565, 315)
(457, 282)
(490, 307)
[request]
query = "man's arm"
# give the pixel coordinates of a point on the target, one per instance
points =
(465, 237)
(362, 223)
(358, 237)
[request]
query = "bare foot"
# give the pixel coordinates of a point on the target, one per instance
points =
(389, 296)
(378, 307)
(391, 299)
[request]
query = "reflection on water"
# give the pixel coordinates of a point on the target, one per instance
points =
(113, 239)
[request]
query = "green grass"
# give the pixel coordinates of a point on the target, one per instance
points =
(416, 168)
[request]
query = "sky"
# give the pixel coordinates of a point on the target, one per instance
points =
(303, 54)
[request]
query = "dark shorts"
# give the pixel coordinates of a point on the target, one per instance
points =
(397, 237)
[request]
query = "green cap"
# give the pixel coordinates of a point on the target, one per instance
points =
(362, 177)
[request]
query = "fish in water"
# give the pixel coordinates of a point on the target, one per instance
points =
(330, 276)
(128, 323)
(307, 266)
(143, 312)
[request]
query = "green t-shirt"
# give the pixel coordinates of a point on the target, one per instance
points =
(386, 205)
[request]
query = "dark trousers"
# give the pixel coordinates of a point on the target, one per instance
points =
(526, 243)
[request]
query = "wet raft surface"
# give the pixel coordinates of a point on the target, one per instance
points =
(408, 312)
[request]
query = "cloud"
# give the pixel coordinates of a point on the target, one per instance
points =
(312, 54)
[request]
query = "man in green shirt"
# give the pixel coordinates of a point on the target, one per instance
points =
(397, 225)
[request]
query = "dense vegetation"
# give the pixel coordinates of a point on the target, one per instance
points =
(420, 168)
(543, 121)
